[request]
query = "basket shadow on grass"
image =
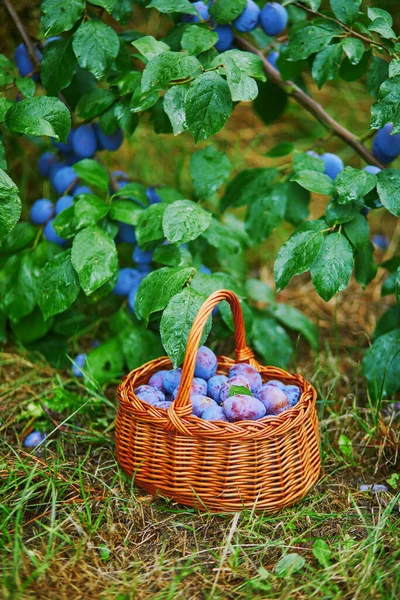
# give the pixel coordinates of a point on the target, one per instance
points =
(73, 523)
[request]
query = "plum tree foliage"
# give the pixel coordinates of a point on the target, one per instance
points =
(88, 81)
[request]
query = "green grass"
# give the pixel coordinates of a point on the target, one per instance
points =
(73, 525)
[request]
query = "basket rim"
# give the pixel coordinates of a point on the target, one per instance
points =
(192, 425)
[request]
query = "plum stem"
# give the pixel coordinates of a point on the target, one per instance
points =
(310, 105)
(24, 34)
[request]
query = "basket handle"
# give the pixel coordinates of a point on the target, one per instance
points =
(243, 352)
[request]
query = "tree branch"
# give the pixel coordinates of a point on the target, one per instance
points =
(310, 105)
(30, 47)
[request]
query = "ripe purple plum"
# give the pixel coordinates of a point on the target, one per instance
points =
(214, 386)
(46, 160)
(214, 413)
(200, 403)
(127, 279)
(380, 241)
(275, 383)
(293, 392)
(41, 211)
(81, 189)
(387, 142)
(206, 363)
(372, 169)
(199, 388)
(156, 380)
(248, 19)
(225, 37)
(274, 399)
(272, 57)
(78, 364)
(84, 142)
(152, 195)
(166, 404)
(249, 372)
(64, 179)
(63, 203)
(112, 141)
(238, 380)
(333, 164)
(127, 233)
(150, 394)
(172, 379)
(34, 439)
(273, 18)
(379, 153)
(51, 235)
(141, 256)
(203, 15)
(243, 408)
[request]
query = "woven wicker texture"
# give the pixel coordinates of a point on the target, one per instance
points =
(263, 465)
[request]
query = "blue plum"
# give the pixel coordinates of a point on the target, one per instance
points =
(34, 439)
(214, 413)
(275, 383)
(81, 189)
(243, 408)
(293, 392)
(50, 234)
(214, 386)
(144, 268)
(111, 141)
(41, 211)
(206, 363)
(249, 372)
(166, 404)
(127, 233)
(238, 380)
(55, 167)
(156, 380)
(225, 37)
(203, 15)
(381, 241)
(274, 399)
(152, 195)
(46, 160)
(120, 175)
(272, 57)
(141, 256)
(78, 364)
(132, 296)
(372, 169)
(150, 394)
(23, 60)
(205, 270)
(379, 154)
(172, 379)
(273, 18)
(333, 164)
(65, 147)
(63, 203)
(84, 141)
(64, 179)
(248, 20)
(389, 144)
(128, 279)
(200, 403)
(199, 388)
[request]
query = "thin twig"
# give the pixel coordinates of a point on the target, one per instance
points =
(294, 91)
(23, 32)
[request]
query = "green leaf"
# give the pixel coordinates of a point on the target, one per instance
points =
(209, 168)
(104, 363)
(389, 190)
(291, 563)
(135, 191)
(108, 5)
(271, 341)
(173, 6)
(297, 202)
(353, 184)
(298, 254)
(248, 185)
(381, 365)
(184, 221)
(222, 239)
(297, 321)
(386, 109)
(10, 205)
(177, 321)
(26, 86)
(94, 257)
(140, 102)
(7, 71)
(307, 41)
(322, 553)
(149, 47)
(357, 230)
(94, 102)
(208, 105)
(242, 87)
(259, 291)
(332, 268)
(89, 209)
(306, 162)
(95, 45)
(390, 320)
(32, 327)
(3, 160)
(270, 103)
(280, 149)
(139, 346)
(345, 445)
(40, 116)
(389, 285)
(365, 267)
(174, 106)
(168, 67)
(60, 16)
(207, 284)
(381, 26)
(65, 223)
(18, 286)
(58, 285)
(93, 173)
(172, 256)
(377, 74)
(354, 49)
(337, 214)
(157, 289)
(225, 11)
(346, 10)
(326, 64)
(21, 236)
(266, 213)
(58, 65)
(125, 211)
(197, 39)
(249, 64)
(239, 389)
(315, 182)
(149, 231)
(5, 105)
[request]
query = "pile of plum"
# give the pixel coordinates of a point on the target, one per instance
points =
(240, 396)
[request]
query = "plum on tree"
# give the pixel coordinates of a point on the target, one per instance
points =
(84, 142)
(273, 18)
(111, 141)
(42, 210)
(63, 203)
(141, 256)
(225, 37)
(127, 279)
(248, 20)
(64, 179)
(203, 15)
(51, 235)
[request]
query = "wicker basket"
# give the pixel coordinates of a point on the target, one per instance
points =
(262, 465)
